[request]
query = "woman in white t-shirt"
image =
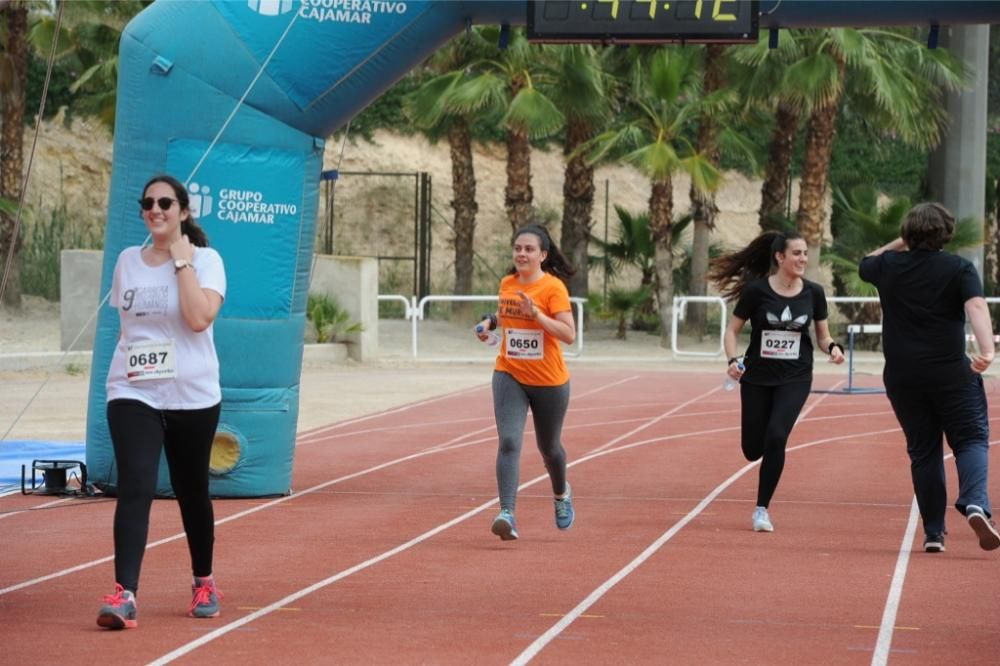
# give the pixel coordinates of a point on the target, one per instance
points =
(163, 391)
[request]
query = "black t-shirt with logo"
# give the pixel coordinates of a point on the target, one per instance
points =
(780, 351)
(923, 295)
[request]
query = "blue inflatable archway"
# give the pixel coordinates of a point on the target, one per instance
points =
(279, 76)
(309, 66)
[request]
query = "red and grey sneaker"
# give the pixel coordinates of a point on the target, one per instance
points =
(119, 610)
(206, 598)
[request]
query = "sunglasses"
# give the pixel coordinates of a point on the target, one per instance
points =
(163, 202)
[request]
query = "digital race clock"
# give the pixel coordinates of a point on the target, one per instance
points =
(649, 21)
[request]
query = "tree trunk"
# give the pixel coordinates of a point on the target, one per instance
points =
(15, 16)
(703, 208)
(774, 192)
(463, 183)
(578, 205)
(661, 204)
(518, 196)
(811, 218)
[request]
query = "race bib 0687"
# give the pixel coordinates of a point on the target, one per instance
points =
(150, 359)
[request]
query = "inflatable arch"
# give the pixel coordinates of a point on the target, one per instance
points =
(236, 97)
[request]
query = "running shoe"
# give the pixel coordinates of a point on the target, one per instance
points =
(934, 543)
(761, 520)
(504, 526)
(564, 510)
(206, 598)
(984, 528)
(119, 610)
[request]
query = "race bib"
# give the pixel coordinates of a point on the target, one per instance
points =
(524, 343)
(150, 359)
(780, 344)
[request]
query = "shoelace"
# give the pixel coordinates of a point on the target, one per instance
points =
(116, 599)
(203, 595)
(562, 508)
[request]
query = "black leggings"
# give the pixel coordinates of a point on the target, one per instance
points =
(138, 434)
(769, 412)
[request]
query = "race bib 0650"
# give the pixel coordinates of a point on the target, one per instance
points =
(524, 343)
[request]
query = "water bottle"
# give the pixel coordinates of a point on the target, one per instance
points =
(731, 383)
(492, 339)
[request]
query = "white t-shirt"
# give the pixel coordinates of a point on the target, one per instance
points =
(183, 369)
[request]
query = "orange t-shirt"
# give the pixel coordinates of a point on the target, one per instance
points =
(527, 352)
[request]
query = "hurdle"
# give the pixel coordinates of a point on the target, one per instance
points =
(852, 331)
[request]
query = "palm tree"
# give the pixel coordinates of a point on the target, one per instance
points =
(715, 134)
(761, 71)
(897, 85)
(88, 46)
(430, 108)
(580, 90)
(506, 84)
(13, 73)
(665, 86)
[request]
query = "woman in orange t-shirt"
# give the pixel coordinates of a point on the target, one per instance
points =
(536, 315)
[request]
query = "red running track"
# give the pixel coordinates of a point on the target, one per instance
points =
(383, 554)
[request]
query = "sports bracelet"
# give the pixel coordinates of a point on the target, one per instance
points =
(829, 350)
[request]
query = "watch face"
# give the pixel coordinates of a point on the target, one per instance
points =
(180, 263)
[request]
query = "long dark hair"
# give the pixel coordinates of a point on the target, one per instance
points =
(189, 227)
(555, 263)
(731, 272)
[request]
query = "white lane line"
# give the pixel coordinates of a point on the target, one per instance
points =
(883, 644)
(319, 435)
(295, 596)
(267, 505)
(539, 643)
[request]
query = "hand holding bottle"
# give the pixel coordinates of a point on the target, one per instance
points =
(485, 335)
(733, 374)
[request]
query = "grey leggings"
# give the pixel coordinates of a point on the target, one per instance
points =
(511, 400)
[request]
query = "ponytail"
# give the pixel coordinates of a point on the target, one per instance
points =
(731, 272)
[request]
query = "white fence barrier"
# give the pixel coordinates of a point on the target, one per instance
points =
(415, 313)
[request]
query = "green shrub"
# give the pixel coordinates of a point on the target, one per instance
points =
(328, 319)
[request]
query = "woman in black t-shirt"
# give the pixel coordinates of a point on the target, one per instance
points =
(766, 280)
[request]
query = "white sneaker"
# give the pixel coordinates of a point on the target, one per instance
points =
(984, 528)
(761, 520)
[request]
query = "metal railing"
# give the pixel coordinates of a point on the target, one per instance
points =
(680, 310)
(415, 313)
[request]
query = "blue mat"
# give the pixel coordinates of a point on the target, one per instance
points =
(14, 453)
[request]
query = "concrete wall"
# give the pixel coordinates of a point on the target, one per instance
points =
(353, 282)
(79, 295)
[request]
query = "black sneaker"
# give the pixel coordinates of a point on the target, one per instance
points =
(984, 528)
(934, 543)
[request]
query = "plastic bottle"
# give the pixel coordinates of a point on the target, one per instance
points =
(731, 383)
(492, 339)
